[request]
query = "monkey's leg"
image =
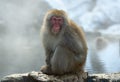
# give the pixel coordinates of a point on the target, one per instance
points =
(47, 68)
(62, 61)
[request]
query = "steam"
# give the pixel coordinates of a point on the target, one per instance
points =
(19, 38)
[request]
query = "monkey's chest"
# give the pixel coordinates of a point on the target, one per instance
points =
(52, 43)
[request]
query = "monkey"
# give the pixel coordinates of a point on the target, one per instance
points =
(101, 43)
(64, 43)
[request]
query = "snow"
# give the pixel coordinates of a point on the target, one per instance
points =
(113, 30)
(91, 14)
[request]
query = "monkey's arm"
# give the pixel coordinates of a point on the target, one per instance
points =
(71, 43)
(47, 68)
(48, 53)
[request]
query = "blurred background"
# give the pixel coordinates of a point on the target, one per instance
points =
(20, 22)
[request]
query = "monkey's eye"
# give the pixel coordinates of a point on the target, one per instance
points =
(54, 19)
(59, 19)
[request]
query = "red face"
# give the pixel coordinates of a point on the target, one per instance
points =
(56, 23)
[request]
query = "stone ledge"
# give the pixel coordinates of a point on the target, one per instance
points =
(40, 77)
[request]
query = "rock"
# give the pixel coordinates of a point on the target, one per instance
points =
(115, 77)
(40, 77)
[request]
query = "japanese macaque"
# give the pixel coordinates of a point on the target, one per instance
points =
(64, 43)
(100, 43)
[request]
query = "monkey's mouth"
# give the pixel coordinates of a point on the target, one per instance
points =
(56, 29)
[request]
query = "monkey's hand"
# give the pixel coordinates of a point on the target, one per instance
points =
(80, 58)
(46, 70)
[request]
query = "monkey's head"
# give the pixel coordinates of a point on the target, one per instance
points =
(56, 21)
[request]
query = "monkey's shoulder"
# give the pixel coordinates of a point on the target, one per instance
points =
(75, 27)
(78, 30)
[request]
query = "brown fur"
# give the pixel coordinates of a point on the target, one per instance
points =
(66, 51)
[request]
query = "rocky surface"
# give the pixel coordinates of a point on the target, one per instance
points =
(40, 77)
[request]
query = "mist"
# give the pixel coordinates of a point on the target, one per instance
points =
(21, 49)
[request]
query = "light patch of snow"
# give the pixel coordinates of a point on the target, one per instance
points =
(91, 14)
(113, 31)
